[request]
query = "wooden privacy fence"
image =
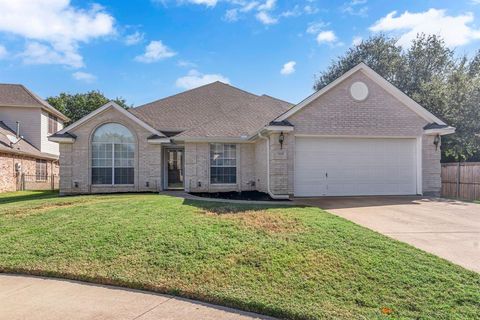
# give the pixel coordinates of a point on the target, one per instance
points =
(461, 180)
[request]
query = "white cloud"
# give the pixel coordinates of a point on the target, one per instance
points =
(186, 64)
(84, 76)
(55, 28)
(268, 5)
(326, 37)
(196, 79)
(315, 27)
(355, 8)
(134, 38)
(455, 30)
(356, 40)
(3, 52)
(265, 18)
(231, 15)
(309, 9)
(249, 6)
(155, 51)
(208, 3)
(38, 53)
(288, 68)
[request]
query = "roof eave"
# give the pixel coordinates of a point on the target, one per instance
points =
(441, 131)
(61, 139)
(159, 141)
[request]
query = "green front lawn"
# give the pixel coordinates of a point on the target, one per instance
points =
(288, 262)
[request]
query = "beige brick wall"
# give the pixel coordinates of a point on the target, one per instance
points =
(281, 164)
(75, 162)
(336, 113)
(381, 115)
(261, 165)
(431, 167)
(197, 168)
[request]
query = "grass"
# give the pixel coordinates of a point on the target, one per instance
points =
(292, 262)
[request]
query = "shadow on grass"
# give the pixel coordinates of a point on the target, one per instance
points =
(232, 208)
(12, 197)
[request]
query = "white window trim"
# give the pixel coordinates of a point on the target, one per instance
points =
(210, 166)
(113, 165)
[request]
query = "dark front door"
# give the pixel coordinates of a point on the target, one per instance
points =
(174, 161)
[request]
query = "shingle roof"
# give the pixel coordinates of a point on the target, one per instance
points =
(18, 95)
(22, 147)
(435, 126)
(213, 110)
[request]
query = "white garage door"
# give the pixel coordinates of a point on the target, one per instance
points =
(346, 167)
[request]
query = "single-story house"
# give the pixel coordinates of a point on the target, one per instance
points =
(359, 135)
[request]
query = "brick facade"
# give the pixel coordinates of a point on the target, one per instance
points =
(336, 113)
(75, 159)
(197, 168)
(333, 114)
(10, 178)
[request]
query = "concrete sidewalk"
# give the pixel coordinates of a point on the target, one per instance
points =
(27, 297)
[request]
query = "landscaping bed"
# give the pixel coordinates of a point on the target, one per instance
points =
(291, 262)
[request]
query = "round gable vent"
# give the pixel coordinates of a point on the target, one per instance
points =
(359, 91)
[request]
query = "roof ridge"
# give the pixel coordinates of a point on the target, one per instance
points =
(31, 94)
(9, 84)
(194, 89)
(173, 95)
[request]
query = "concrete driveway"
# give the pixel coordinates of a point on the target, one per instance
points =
(26, 297)
(447, 228)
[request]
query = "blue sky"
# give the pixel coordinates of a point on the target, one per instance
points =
(146, 50)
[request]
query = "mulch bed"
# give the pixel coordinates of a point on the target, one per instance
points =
(244, 195)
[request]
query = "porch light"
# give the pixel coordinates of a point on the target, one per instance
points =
(436, 141)
(281, 138)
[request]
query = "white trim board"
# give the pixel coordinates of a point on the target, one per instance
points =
(387, 86)
(111, 104)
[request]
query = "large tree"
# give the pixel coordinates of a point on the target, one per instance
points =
(76, 106)
(431, 74)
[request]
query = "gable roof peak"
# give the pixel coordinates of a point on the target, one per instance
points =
(377, 78)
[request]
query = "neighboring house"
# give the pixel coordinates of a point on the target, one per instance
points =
(357, 136)
(26, 121)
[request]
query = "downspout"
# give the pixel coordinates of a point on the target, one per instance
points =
(274, 196)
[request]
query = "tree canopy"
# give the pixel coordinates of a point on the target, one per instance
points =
(76, 106)
(429, 72)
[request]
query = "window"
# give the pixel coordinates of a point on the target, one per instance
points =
(52, 124)
(113, 155)
(41, 170)
(223, 163)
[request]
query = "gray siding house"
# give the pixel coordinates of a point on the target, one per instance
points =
(357, 136)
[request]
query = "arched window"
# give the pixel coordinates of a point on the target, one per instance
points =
(113, 154)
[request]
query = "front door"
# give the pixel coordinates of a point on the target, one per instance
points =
(174, 162)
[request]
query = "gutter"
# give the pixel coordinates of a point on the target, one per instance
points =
(274, 196)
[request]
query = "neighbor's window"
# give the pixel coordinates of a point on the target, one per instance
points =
(41, 170)
(113, 155)
(223, 163)
(52, 124)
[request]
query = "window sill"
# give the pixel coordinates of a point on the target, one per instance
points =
(223, 184)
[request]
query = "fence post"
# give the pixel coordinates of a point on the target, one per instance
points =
(52, 182)
(458, 180)
(22, 183)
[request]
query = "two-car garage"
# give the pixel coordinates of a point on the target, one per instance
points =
(355, 166)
